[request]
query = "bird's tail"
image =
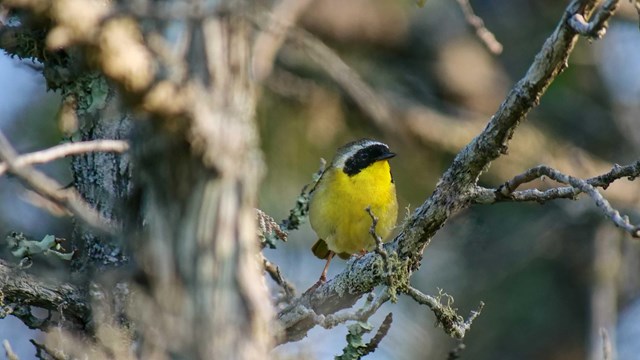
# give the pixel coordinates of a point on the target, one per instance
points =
(320, 249)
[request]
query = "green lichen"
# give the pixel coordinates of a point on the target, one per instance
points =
(60, 68)
(21, 247)
(299, 213)
(356, 348)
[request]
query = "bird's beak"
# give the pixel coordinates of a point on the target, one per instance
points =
(386, 156)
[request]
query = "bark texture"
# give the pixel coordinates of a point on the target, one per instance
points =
(199, 182)
(103, 180)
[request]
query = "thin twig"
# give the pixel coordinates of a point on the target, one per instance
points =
(372, 104)
(44, 352)
(596, 27)
(454, 325)
(372, 230)
(67, 149)
(380, 334)
(268, 42)
(606, 345)
(580, 186)
(50, 189)
(9, 351)
(274, 272)
(507, 192)
(486, 36)
(362, 314)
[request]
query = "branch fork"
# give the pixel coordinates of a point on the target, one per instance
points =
(597, 25)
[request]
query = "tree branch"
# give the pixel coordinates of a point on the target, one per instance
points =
(20, 289)
(454, 325)
(507, 192)
(67, 149)
(9, 351)
(486, 36)
(597, 26)
(580, 186)
(50, 189)
(274, 272)
(268, 42)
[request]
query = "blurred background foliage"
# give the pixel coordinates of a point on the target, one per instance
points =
(547, 291)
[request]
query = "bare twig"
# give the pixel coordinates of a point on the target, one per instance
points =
(9, 351)
(362, 314)
(50, 189)
(606, 344)
(44, 352)
(372, 104)
(507, 192)
(486, 36)
(289, 85)
(596, 27)
(454, 325)
(268, 42)
(380, 334)
(580, 186)
(274, 272)
(328, 321)
(67, 149)
(372, 230)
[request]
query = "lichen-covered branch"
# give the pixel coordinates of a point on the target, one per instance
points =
(452, 323)
(580, 186)
(21, 290)
(274, 272)
(596, 27)
(508, 191)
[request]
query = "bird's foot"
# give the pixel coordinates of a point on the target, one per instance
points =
(360, 254)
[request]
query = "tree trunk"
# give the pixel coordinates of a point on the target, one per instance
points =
(104, 180)
(199, 179)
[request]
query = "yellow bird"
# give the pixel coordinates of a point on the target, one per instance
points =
(358, 177)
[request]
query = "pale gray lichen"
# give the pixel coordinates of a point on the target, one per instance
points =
(22, 247)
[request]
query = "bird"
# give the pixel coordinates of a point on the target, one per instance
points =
(358, 178)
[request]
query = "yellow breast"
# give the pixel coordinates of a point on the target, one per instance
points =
(337, 209)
